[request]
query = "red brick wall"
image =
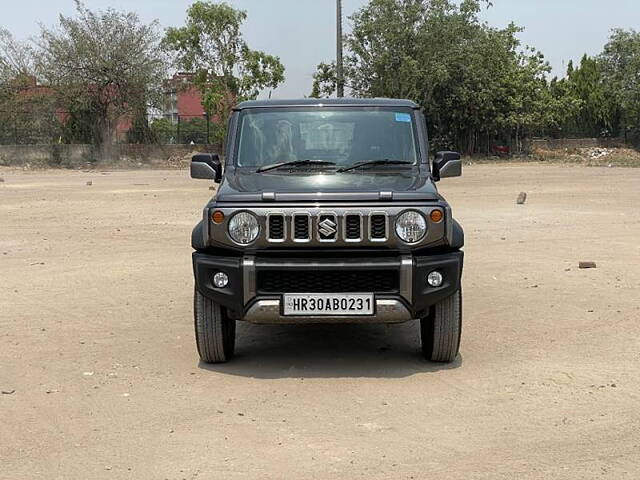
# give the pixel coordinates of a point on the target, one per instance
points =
(190, 102)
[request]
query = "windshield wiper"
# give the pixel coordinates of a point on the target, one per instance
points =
(293, 163)
(373, 163)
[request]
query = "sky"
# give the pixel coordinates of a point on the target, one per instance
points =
(302, 32)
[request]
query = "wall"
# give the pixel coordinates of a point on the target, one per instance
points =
(73, 156)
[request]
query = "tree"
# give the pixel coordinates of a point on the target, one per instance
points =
(26, 111)
(620, 66)
(102, 65)
(325, 81)
(585, 83)
(475, 83)
(16, 58)
(226, 70)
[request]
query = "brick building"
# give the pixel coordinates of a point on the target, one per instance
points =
(182, 98)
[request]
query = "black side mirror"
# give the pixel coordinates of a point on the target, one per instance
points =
(206, 166)
(446, 164)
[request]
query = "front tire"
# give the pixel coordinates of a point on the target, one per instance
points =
(441, 330)
(215, 331)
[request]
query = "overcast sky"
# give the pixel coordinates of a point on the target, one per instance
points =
(302, 32)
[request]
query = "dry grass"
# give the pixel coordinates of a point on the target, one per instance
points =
(614, 157)
(591, 157)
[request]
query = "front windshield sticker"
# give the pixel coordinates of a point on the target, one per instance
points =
(403, 117)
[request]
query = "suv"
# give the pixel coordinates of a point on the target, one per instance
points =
(327, 212)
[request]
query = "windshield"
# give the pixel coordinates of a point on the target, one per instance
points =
(344, 136)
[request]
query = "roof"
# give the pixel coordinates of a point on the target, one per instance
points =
(319, 102)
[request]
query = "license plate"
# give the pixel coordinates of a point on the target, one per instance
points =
(328, 304)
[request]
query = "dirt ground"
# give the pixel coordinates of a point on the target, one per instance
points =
(101, 379)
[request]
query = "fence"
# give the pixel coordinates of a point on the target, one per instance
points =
(60, 127)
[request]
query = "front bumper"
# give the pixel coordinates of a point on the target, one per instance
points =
(411, 298)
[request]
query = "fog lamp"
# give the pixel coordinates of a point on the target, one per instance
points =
(220, 280)
(434, 279)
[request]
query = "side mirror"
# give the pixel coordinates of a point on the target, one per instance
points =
(446, 164)
(206, 166)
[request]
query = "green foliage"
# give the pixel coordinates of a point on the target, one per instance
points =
(620, 67)
(473, 81)
(25, 113)
(106, 64)
(477, 84)
(194, 130)
(587, 108)
(226, 69)
(164, 131)
(82, 126)
(325, 81)
(140, 131)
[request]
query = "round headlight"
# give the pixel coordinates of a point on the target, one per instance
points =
(243, 228)
(411, 227)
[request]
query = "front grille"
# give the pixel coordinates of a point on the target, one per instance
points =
(327, 281)
(327, 227)
(301, 227)
(276, 227)
(378, 227)
(353, 227)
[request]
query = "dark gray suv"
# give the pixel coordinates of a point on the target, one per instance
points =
(327, 212)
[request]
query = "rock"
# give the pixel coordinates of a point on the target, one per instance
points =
(89, 183)
(212, 187)
(522, 198)
(8, 392)
(1, 180)
(587, 265)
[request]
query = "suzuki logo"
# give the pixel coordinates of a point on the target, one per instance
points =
(327, 228)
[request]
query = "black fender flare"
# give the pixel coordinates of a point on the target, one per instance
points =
(197, 237)
(457, 237)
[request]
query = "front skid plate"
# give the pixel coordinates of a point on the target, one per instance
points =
(270, 312)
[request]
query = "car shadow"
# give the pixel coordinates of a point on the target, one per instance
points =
(328, 351)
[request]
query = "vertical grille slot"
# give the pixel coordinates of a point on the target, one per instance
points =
(301, 227)
(276, 228)
(378, 227)
(353, 227)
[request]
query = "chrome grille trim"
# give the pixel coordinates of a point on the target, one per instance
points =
(284, 227)
(386, 226)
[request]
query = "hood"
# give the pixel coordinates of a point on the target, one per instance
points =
(242, 185)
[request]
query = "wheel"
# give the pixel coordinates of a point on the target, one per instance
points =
(215, 331)
(441, 330)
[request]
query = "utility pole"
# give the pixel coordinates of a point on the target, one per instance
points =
(339, 60)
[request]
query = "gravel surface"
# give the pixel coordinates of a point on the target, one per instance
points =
(97, 348)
